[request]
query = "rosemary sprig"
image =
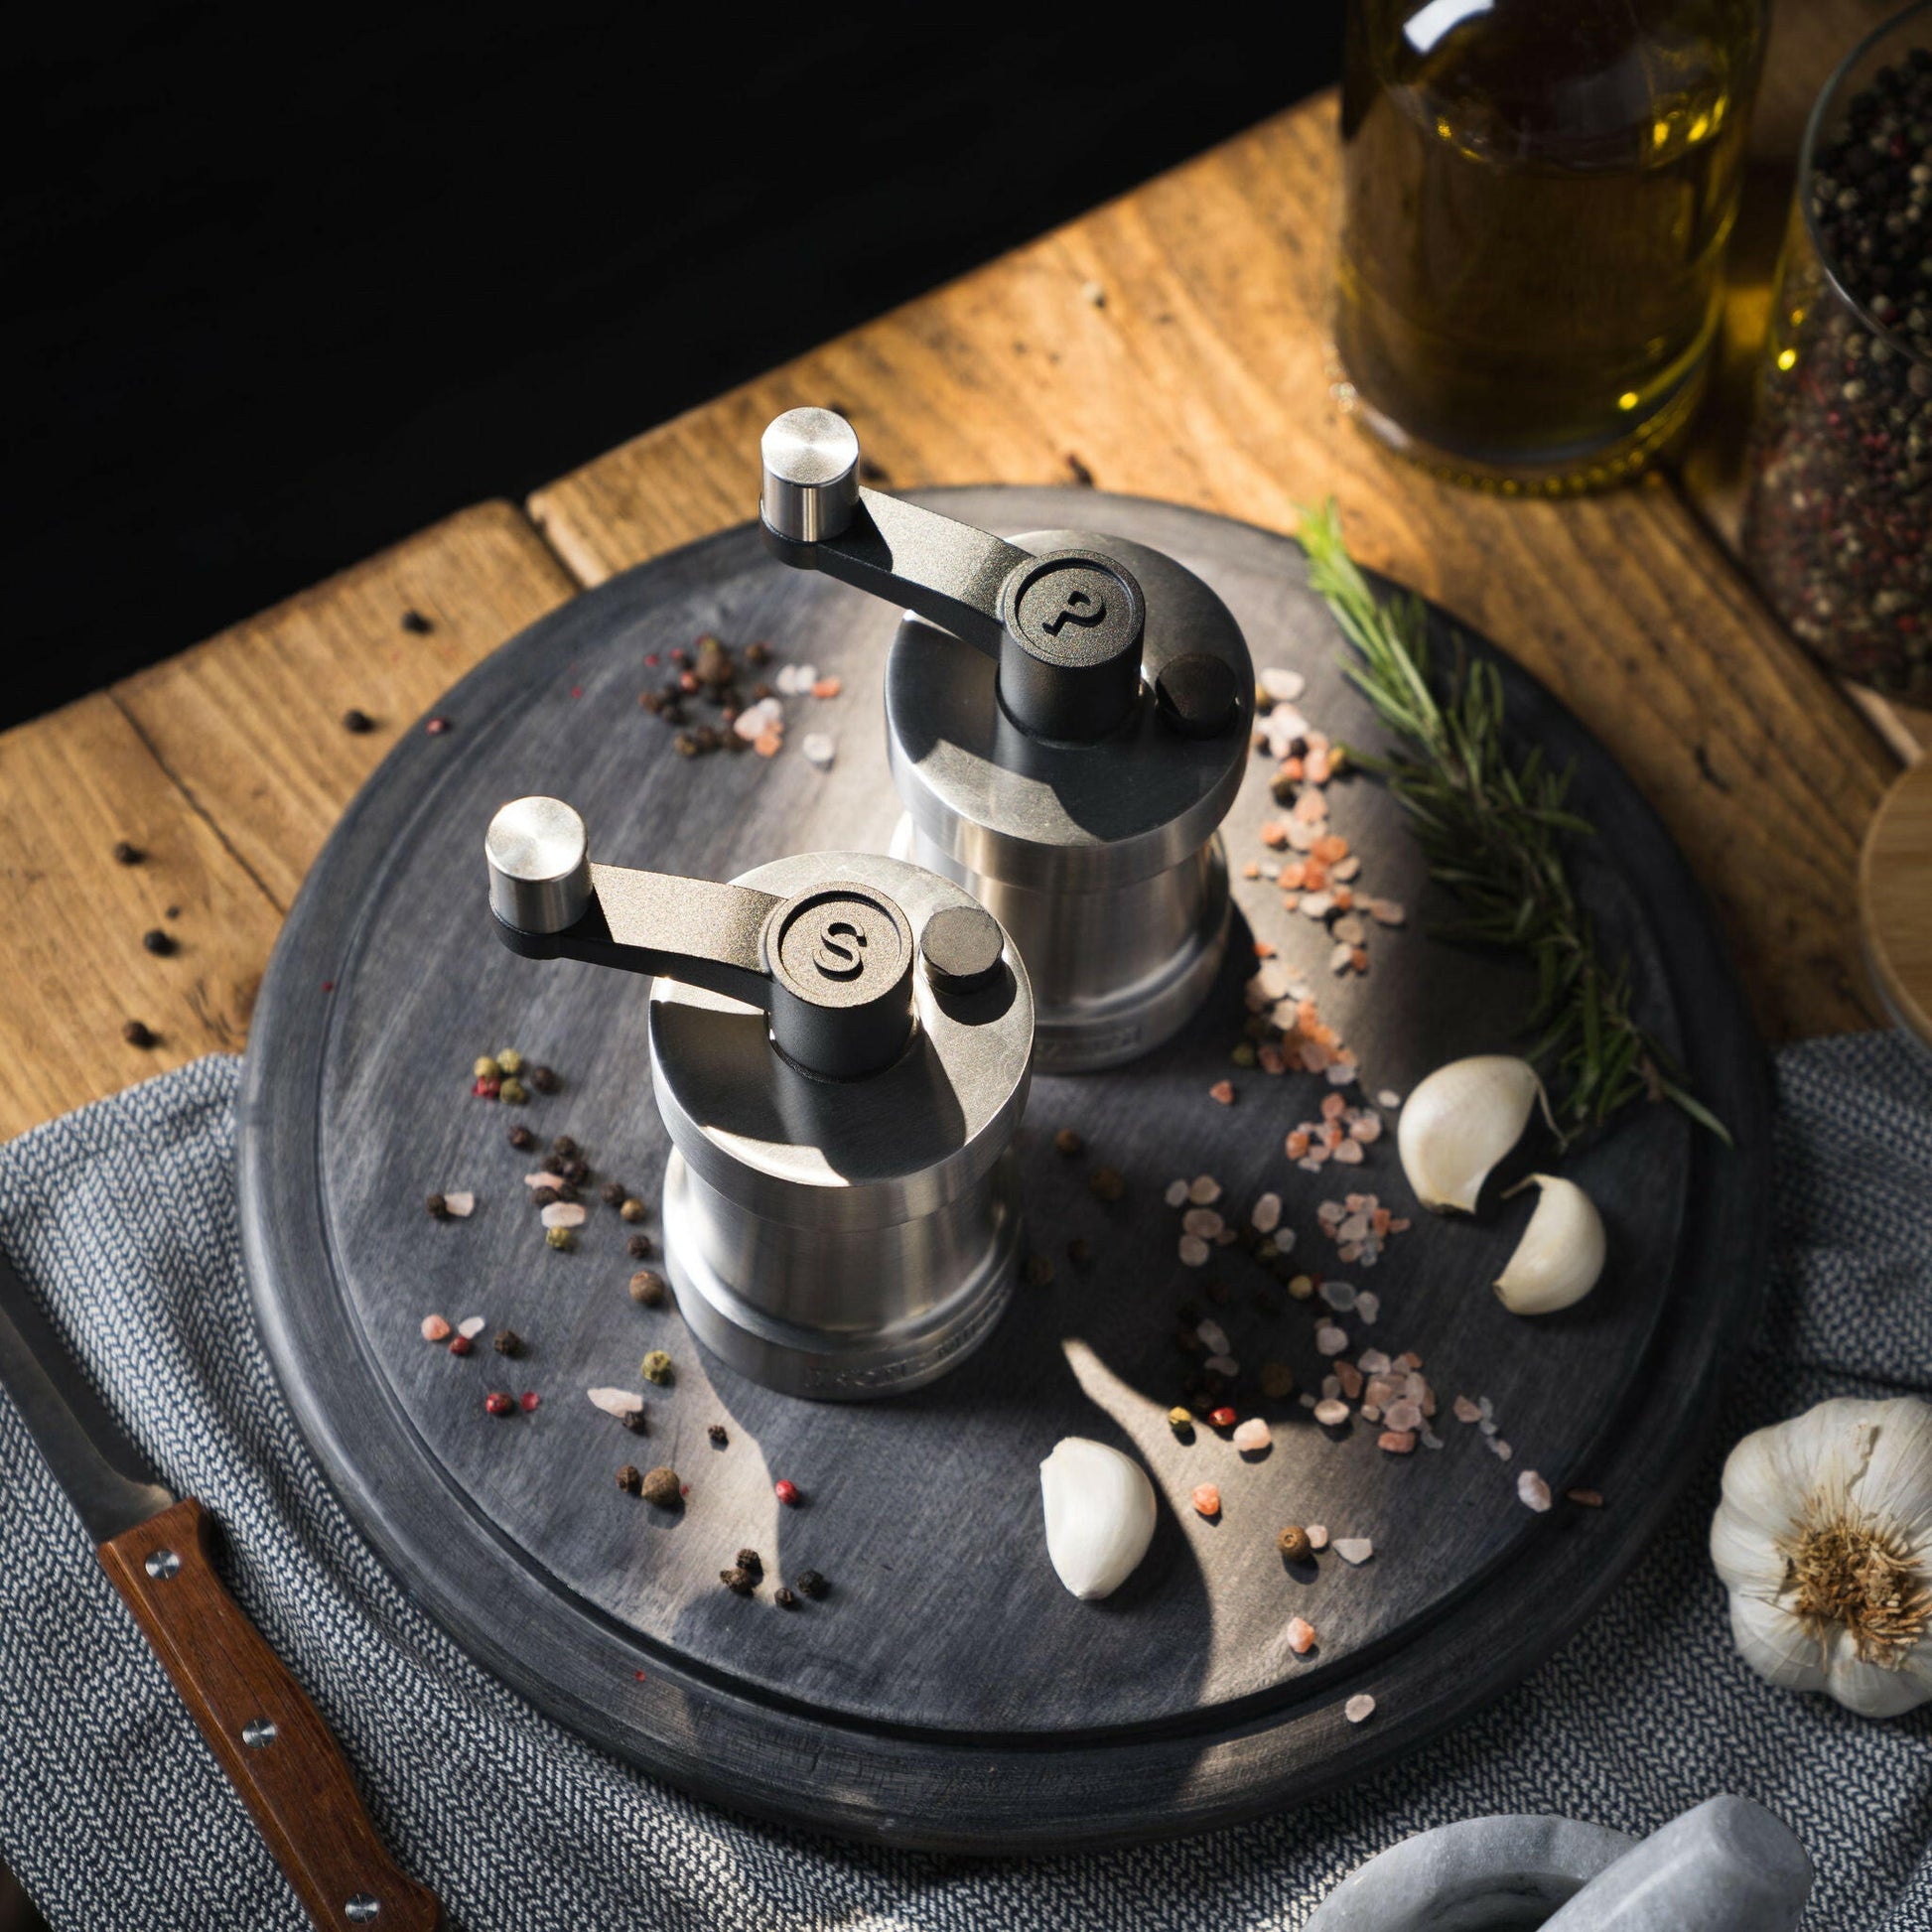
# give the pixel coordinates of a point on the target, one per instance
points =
(1493, 830)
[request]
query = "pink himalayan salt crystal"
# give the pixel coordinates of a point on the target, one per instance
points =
(1348, 1379)
(1223, 1091)
(435, 1329)
(564, 1214)
(462, 1206)
(1349, 1153)
(1252, 1435)
(1382, 1391)
(1354, 1549)
(1193, 1251)
(1207, 1499)
(1329, 1340)
(1359, 1709)
(1372, 1362)
(1398, 1442)
(1332, 1414)
(1366, 1127)
(1301, 1635)
(1467, 1411)
(1533, 1491)
(1405, 1414)
(1317, 1536)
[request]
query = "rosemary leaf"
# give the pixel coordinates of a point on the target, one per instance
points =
(1491, 828)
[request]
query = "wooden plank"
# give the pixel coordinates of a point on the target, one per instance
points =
(72, 785)
(1895, 880)
(1172, 344)
(250, 723)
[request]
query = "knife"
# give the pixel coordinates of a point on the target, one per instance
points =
(271, 1741)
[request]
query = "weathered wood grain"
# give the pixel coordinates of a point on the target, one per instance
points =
(949, 1692)
(1171, 345)
(250, 723)
(1895, 895)
(72, 785)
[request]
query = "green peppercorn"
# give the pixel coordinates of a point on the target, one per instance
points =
(509, 1061)
(1182, 1422)
(656, 1366)
(484, 1068)
(562, 1239)
(1244, 1054)
(512, 1093)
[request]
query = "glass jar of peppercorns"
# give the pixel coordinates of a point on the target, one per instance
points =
(1838, 515)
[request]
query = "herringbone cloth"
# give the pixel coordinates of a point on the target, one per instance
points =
(113, 1814)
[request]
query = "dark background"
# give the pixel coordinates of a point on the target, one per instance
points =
(283, 286)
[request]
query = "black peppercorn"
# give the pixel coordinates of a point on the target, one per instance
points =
(736, 1581)
(636, 1422)
(750, 1560)
(1105, 1184)
(1067, 1142)
(757, 654)
(357, 722)
(416, 623)
(633, 1211)
(717, 1434)
(522, 1139)
(566, 1193)
(157, 942)
(612, 1193)
(544, 1079)
(439, 1208)
(565, 1147)
(810, 1584)
(137, 1034)
(785, 1598)
(127, 853)
(647, 1287)
(639, 1247)
(509, 1343)
(544, 1196)
(630, 1481)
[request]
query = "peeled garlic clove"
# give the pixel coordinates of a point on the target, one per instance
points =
(1100, 1515)
(1460, 1122)
(1560, 1253)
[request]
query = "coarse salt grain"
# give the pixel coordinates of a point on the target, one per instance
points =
(1532, 1490)
(1214, 1337)
(471, 1327)
(1266, 1214)
(1398, 1442)
(1465, 1410)
(1283, 686)
(1204, 1221)
(1354, 1549)
(1317, 1536)
(1329, 1340)
(543, 1178)
(1403, 1415)
(460, 1205)
(1176, 1192)
(564, 1214)
(618, 1402)
(1368, 1306)
(1193, 1251)
(1301, 1635)
(1332, 1414)
(1359, 1709)
(1205, 1191)
(1252, 1435)
(820, 748)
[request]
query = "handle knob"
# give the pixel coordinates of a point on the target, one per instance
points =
(832, 965)
(1065, 629)
(811, 475)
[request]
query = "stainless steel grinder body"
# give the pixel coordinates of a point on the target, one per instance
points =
(841, 1046)
(1068, 718)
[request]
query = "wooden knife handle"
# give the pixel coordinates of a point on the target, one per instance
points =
(271, 1741)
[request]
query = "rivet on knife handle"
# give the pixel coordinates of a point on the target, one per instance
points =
(271, 1741)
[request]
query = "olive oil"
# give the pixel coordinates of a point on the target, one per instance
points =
(1536, 200)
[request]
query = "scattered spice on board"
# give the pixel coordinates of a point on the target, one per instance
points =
(357, 722)
(157, 942)
(1360, 1228)
(127, 853)
(138, 1033)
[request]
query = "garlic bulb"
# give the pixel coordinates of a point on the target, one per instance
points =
(1824, 1540)
(1560, 1253)
(1462, 1120)
(1099, 1515)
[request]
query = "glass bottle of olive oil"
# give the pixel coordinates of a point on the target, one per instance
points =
(1536, 197)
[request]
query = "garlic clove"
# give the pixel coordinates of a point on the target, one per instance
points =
(1100, 1514)
(1460, 1121)
(1775, 1645)
(1897, 1471)
(1561, 1255)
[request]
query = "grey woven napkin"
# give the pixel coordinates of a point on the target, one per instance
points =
(114, 1815)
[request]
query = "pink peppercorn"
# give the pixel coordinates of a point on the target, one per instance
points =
(1222, 1418)
(531, 1400)
(436, 727)
(461, 1344)
(786, 1491)
(487, 1088)
(497, 1402)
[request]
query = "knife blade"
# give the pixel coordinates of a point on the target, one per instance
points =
(270, 1739)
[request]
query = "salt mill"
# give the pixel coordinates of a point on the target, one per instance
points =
(1068, 717)
(840, 1046)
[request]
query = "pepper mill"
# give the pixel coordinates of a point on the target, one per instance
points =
(1068, 718)
(841, 1046)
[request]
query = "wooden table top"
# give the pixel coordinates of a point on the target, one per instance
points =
(1169, 345)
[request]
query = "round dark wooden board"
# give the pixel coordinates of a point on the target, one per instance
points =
(949, 1692)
